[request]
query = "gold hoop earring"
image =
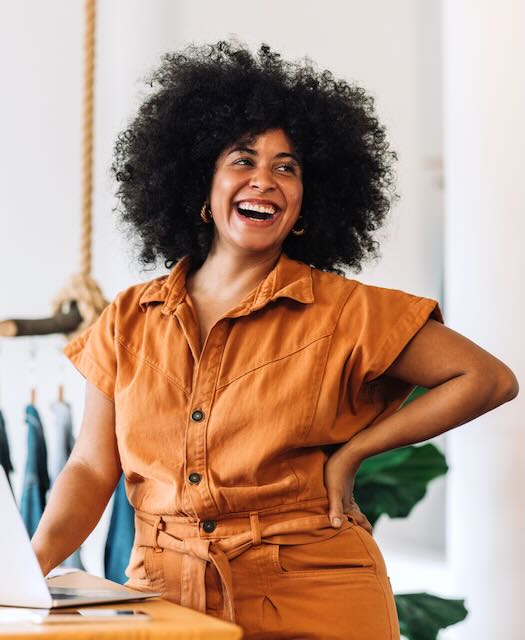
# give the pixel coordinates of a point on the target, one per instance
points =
(298, 232)
(206, 214)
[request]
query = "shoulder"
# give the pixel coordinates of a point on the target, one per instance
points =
(141, 291)
(392, 303)
(130, 302)
(356, 290)
(340, 292)
(327, 283)
(368, 302)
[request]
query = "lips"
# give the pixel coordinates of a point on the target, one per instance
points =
(256, 218)
(255, 204)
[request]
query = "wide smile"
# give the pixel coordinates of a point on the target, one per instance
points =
(257, 215)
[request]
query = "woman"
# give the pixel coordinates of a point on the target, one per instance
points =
(221, 389)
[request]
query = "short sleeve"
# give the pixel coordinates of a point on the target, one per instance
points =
(383, 321)
(93, 352)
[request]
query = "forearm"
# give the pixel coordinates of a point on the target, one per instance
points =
(76, 503)
(440, 409)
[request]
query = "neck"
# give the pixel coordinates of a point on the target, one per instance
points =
(226, 274)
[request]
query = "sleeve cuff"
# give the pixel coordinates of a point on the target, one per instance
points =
(88, 368)
(403, 331)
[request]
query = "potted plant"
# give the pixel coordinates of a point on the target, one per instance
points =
(392, 483)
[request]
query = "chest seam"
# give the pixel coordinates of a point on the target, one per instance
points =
(267, 362)
(153, 365)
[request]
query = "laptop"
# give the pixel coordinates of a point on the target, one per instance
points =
(22, 583)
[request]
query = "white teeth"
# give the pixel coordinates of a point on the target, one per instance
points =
(263, 208)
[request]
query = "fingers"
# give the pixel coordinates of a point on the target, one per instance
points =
(351, 508)
(366, 525)
(339, 488)
(362, 520)
(335, 512)
(369, 528)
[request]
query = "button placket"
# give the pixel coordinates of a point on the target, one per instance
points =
(201, 402)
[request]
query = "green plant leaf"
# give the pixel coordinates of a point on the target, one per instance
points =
(422, 615)
(418, 391)
(393, 482)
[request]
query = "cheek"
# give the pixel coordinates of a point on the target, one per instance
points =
(223, 189)
(297, 196)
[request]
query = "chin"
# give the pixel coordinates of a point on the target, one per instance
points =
(252, 244)
(256, 247)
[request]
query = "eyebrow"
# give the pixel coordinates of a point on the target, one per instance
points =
(283, 154)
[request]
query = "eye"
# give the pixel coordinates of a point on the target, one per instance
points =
(288, 167)
(243, 160)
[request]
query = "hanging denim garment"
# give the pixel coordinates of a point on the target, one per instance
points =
(36, 478)
(60, 444)
(5, 456)
(60, 439)
(120, 536)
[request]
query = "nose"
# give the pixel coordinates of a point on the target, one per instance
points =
(262, 179)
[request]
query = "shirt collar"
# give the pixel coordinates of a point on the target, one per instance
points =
(289, 278)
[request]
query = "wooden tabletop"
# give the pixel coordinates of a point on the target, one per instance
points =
(168, 621)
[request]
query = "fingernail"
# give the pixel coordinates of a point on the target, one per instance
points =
(336, 522)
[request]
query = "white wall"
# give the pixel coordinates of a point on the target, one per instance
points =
(392, 49)
(484, 103)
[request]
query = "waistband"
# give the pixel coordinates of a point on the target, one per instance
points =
(299, 523)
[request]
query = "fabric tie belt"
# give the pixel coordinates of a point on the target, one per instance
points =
(299, 523)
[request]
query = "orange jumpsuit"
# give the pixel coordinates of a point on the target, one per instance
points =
(223, 450)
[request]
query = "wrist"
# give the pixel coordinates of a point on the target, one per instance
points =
(43, 560)
(352, 453)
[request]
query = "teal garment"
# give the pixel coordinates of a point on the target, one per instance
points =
(36, 478)
(5, 454)
(120, 536)
(60, 438)
(60, 444)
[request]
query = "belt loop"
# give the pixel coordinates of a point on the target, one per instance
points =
(256, 531)
(158, 525)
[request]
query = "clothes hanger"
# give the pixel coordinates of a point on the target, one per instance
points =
(32, 371)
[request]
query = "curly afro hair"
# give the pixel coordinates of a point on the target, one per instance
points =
(208, 97)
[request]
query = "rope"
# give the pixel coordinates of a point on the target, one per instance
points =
(81, 287)
(87, 294)
(87, 137)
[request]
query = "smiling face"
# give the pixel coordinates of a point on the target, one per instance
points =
(256, 193)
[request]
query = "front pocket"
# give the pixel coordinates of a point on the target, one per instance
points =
(370, 544)
(344, 553)
(136, 569)
(153, 568)
(144, 570)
